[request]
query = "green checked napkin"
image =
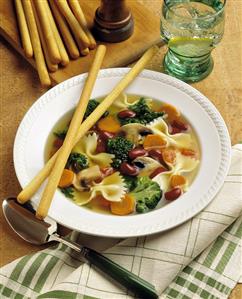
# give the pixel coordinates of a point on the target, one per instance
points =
(199, 259)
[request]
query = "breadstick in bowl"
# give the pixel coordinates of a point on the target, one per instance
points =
(37, 181)
(61, 160)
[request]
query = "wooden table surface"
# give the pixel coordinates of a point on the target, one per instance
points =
(20, 88)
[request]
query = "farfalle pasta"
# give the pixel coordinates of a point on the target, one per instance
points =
(180, 140)
(87, 146)
(112, 188)
(140, 154)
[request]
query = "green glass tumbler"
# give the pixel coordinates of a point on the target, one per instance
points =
(191, 29)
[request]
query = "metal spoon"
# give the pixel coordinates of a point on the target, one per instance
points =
(23, 221)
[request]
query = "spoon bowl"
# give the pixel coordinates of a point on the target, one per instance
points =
(25, 224)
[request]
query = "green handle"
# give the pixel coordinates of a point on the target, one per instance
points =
(131, 281)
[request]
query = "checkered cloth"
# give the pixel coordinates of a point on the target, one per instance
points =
(199, 259)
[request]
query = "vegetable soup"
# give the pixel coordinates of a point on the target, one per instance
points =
(139, 152)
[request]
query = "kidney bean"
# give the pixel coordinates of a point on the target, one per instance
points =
(101, 146)
(157, 171)
(126, 114)
(137, 152)
(58, 142)
(156, 154)
(106, 171)
(105, 135)
(173, 194)
(179, 125)
(175, 130)
(128, 169)
(98, 180)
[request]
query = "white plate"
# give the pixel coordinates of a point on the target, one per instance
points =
(210, 128)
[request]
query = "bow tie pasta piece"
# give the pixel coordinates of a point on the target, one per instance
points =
(163, 180)
(179, 140)
(123, 102)
(87, 146)
(112, 188)
(148, 165)
(184, 164)
(81, 197)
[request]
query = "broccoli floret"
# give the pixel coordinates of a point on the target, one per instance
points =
(130, 182)
(116, 163)
(61, 134)
(119, 146)
(77, 161)
(130, 120)
(143, 112)
(68, 192)
(147, 194)
(141, 207)
(92, 105)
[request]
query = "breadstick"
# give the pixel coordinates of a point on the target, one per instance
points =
(85, 52)
(34, 185)
(65, 32)
(61, 47)
(61, 160)
(52, 67)
(80, 36)
(77, 10)
(23, 29)
(47, 31)
(34, 35)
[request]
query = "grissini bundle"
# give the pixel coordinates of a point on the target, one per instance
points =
(61, 47)
(75, 124)
(77, 10)
(65, 32)
(47, 30)
(51, 66)
(34, 35)
(80, 36)
(34, 185)
(23, 29)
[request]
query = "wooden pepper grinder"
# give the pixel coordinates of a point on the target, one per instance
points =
(113, 21)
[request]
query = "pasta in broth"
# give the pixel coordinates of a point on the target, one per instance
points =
(139, 152)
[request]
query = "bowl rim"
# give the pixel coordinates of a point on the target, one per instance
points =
(169, 222)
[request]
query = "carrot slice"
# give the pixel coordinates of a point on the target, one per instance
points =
(169, 155)
(177, 180)
(123, 207)
(171, 111)
(188, 152)
(154, 141)
(101, 201)
(66, 178)
(109, 124)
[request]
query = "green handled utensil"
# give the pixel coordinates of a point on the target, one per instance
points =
(23, 221)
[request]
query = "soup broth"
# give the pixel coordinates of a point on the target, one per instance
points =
(141, 153)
